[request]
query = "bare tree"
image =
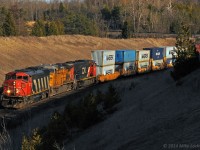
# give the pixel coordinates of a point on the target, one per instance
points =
(5, 139)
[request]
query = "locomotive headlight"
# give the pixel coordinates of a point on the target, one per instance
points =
(8, 91)
(14, 83)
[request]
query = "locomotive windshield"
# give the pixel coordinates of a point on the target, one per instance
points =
(10, 77)
(23, 77)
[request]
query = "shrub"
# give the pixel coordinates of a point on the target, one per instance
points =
(111, 98)
(32, 143)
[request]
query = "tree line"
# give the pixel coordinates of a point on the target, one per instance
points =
(97, 17)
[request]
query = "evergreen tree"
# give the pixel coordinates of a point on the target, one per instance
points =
(60, 26)
(80, 24)
(8, 27)
(116, 17)
(125, 30)
(52, 28)
(187, 58)
(61, 7)
(32, 143)
(106, 13)
(39, 28)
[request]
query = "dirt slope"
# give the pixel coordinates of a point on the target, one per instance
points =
(20, 52)
(154, 115)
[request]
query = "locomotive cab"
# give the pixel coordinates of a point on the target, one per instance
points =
(16, 85)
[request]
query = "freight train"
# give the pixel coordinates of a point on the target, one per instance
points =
(32, 84)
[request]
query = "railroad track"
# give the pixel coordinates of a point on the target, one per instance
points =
(15, 117)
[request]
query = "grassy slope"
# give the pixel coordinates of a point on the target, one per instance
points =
(20, 52)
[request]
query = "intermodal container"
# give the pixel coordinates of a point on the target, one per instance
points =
(122, 56)
(142, 55)
(157, 62)
(129, 55)
(156, 53)
(105, 70)
(169, 51)
(143, 66)
(119, 56)
(129, 66)
(104, 57)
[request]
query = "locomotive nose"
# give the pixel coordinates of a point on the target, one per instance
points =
(9, 87)
(8, 91)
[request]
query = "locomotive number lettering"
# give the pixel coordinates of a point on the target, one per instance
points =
(83, 70)
(109, 57)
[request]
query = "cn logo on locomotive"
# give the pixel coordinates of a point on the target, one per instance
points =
(83, 70)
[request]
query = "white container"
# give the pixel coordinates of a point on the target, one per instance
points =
(105, 70)
(143, 55)
(143, 64)
(129, 66)
(158, 62)
(104, 57)
(169, 51)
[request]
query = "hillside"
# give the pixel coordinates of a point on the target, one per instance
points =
(155, 114)
(20, 52)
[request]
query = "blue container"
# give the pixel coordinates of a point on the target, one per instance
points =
(129, 55)
(156, 53)
(119, 56)
(122, 56)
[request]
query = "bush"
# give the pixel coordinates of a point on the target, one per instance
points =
(55, 132)
(77, 116)
(184, 67)
(84, 114)
(111, 98)
(32, 143)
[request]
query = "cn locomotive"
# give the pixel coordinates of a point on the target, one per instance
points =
(32, 84)
(35, 83)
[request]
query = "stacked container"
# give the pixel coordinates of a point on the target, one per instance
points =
(125, 62)
(156, 57)
(143, 61)
(169, 55)
(105, 64)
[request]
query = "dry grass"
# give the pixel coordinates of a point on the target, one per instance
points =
(20, 52)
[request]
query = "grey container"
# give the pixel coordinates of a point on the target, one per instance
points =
(169, 51)
(142, 55)
(104, 57)
(105, 70)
